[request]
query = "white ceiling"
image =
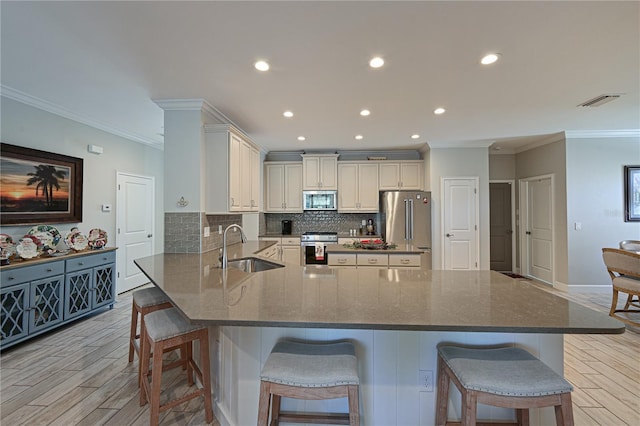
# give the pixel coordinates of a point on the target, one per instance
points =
(105, 62)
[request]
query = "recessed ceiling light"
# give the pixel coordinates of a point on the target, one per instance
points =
(416, 136)
(359, 137)
(288, 114)
(489, 59)
(301, 138)
(376, 62)
(365, 112)
(439, 111)
(261, 66)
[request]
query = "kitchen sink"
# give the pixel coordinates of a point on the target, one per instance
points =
(253, 264)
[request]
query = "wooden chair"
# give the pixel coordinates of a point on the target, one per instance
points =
(504, 377)
(167, 328)
(309, 371)
(145, 301)
(624, 268)
(631, 245)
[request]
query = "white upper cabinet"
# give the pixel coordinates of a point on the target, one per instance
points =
(320, 171)
(357, 187)
(283, 187)
(232, 165)
(406, 175)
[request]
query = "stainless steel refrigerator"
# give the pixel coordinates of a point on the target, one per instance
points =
(406, 221)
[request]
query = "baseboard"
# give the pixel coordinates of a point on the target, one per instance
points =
(582, 288)
(221, 414)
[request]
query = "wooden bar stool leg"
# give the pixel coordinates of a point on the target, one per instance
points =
(276, 400)
(442, 397)
(145, 355)
(263, 403)
(134, 331)
(522, 415)
(156, 381)
(206, 375)
(564, 411)
(354, 405)
(469, 408)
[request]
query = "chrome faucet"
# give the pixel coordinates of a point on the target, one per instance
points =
(243, 238)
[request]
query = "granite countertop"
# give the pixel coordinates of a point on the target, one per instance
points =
(382, 299)
(399, 249)
(16, 262)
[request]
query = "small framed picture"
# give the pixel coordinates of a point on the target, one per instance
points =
(632, 193)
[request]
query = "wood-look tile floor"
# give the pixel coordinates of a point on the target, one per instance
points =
(79, 375)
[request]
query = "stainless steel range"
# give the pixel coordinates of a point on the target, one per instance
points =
(314, 245)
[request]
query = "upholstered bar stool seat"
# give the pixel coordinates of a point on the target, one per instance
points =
(168, 328)
(309, 371)
(145, 301)
(504, 377)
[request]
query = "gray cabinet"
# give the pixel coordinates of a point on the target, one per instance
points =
(39, 296)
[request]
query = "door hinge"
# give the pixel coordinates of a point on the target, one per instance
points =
(475, 227)
(475, 190)
(118, 230)
(118, 187)
(118, 274)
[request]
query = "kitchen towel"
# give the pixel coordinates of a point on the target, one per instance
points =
(319, 251)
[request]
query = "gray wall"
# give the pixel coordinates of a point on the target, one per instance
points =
(502, 167)
(595, 198)
(551, 159)
(31, 127)
(459, 162)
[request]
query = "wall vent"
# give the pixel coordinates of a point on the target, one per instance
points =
(600, 100)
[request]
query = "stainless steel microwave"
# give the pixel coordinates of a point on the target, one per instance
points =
(320, 200)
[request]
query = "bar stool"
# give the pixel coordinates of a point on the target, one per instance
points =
(309, 371)
(167, 328)
(504, 377)
(145, 301)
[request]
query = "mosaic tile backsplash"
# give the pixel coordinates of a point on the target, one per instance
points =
(324, 221)
(184, 232)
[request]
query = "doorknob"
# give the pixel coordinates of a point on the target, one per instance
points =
(149, 235)
(528, 232)
(449, 235)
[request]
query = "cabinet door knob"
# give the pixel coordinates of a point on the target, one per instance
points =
(449, 235)
(149, 235)
(49, 270)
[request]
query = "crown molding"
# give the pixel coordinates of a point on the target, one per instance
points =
(602, 134)
(44, 105)
(461, 144)
(194, 104)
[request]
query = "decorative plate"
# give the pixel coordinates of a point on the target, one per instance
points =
(75, 240)
(48, 234)
(5, 240)
(27, 248)
(97, 238)
(7, 247)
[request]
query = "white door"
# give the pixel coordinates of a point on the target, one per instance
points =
(460, 213)
(134, 227)
(537, 194)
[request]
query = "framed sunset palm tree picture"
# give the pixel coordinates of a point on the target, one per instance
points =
(39, 187)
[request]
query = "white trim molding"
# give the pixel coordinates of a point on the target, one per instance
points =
(44, 105)
(194, 104)
(602, 134)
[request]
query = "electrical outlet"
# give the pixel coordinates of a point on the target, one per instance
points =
(425, 380)
(207, 231)
(220, 229)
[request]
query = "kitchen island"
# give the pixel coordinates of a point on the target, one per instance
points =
(395, 317)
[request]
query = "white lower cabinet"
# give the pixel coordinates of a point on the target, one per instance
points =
(404, 260)
(290, 249)
(377, 260)
(342, 260)
(374, 259)
(287, 249)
